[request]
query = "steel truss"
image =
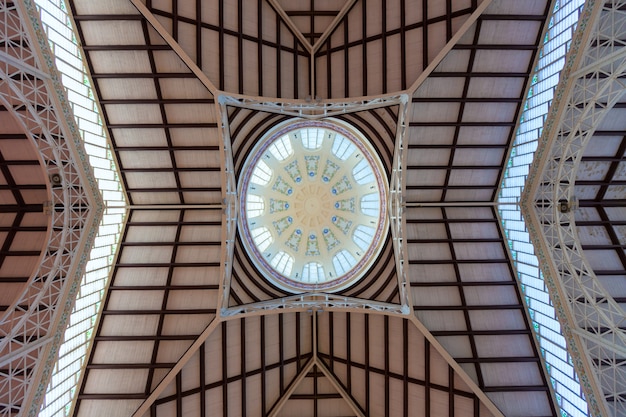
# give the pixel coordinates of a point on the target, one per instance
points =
(591, 84)
(32, 328)
(313, 300)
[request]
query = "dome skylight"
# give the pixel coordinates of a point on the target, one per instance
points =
(313, 206)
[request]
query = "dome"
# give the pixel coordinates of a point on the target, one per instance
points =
(313, 205)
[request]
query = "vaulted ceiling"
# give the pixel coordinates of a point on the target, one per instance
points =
(438, 326)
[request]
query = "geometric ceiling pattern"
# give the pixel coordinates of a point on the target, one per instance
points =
(190, 326)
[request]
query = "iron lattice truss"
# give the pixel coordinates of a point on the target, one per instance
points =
(34, 312)
(575, 218)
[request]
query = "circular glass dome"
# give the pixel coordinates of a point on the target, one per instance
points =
(313, 206)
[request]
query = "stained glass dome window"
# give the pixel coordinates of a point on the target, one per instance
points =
(313, 206)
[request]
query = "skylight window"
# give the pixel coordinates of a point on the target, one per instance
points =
(343, 262)
(363, 236)
(363, 173)
(342, 147)
(255, 205)
(370, 205)
(281, 149)
(283, 263)
(312, 138)
(262, 237)
(262, 173)
(313, 272)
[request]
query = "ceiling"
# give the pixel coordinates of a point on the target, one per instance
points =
(438, 326)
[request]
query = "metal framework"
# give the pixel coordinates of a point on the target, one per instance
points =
(592, 84)
(444, 320)
(32, 326)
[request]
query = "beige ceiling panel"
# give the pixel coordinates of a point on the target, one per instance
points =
(426, 157)
(511, 374)
(434, 112)
(139, 137)
(157, 180)
(190, 113)
(429, 251)
(200, 179)
(495, 87)
(431, 273)
(435, 296)
(147, 234)
(198, 233)
(107, 408)
(497, 319)
(145, 159)
(593, 235)
(168, 61)
(171, 350)
(195, 137)
(477, 272)
(192, 299)
(423, 195)
(457, 346)
(7, 197)
(123, 352)
(185, 324)
(135, 300)
(471, 230)
(426, 230)
(195, 159)
(474, 177)
(105, 7)
(437, 320)
(479, 157)
(603, 260)
(159, 216)
(425, 177)
(470, 213)
(504, 346)
(441, 87)
(141, 276)
(112, 32)
(133, 114)
(455, 61)
(127, 88)
(429, 135)
(188, 88)
(489, 112)
(507, 32)
(483, 250)
(203, 197)
(502, 61)
(146, 254)
(119, 381)
(198, 254)
(208, 275)
(533, 403)
(120, 62)
(515, 7)
(155, 197)
(490, 295)
(484, 135)
(129, 325)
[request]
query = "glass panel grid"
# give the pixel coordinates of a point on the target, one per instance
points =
(544, 82)
(72, 352)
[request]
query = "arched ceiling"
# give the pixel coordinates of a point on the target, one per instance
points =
(190, 326)
(179, 79)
